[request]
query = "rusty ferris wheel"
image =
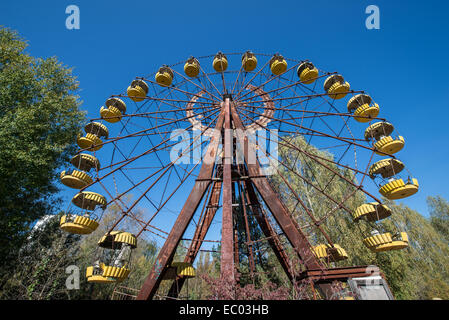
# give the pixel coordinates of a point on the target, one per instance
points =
(216, 111)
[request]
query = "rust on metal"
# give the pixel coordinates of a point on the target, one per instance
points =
(200, 234)
(267, 229)
(167, 252)
(227, 233)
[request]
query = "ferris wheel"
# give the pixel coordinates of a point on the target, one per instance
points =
(222, 136)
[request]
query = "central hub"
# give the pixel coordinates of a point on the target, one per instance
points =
(227, 95)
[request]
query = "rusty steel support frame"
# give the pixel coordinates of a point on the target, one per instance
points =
(285, 221)
(200, 234)
(168, 250)
(243, 196)
(236, 257)
(256, 181)
(227, 233)
(252, 202)
(267, 229)
(342, 274)
(204, 224)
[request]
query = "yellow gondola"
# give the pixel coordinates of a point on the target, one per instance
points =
(106, 274)
(385, 242)
(97, 128)
(115, 239)
(373, 211)
(362, 107)
(333, 254)
(75, 178)
(385, 143)
(278, 64)
(397, 189)
(386, 168)
(378, 130)
(389, 145)
(179, 270)
(249, 61)
(192, 67)
(220, 62)
(85, 162)
(89, 200)
(138, 90)
(91, 141)
(336, 87)
(115, 256)
(307, 73)
(114, 110)
(164, 77)
(78, 224)
(95, 275)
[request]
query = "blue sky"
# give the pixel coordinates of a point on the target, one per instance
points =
(404, 65)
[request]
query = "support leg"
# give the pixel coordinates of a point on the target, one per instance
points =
(167, 252)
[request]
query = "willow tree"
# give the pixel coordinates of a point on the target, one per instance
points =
(39, 120)
(39, 271)
(418, 272)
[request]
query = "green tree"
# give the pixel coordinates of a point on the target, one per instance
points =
(39, 270)
(422, 270)
(439, 215)
(39, 120)
(198, 289)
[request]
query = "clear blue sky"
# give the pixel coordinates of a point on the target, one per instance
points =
(404, 65)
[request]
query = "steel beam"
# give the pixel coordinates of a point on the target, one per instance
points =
(280, 213)
(168, 250)
(200, 234)
(339, 274)
(285, 221)
(227, 233)
(267, 229)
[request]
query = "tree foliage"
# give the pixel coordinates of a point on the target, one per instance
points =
(418, 272)
(39, 269)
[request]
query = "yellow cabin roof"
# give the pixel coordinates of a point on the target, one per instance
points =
(386, 168)
(378, 129)
(140, 83)
(85, 162)
(373, 211)
(117, 103)
(97, 129)
(89, 200)
(333, 79)
(358, 101)
(112, 239)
